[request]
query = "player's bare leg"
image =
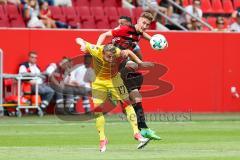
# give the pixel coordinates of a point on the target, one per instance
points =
(100, 125)
(136, 99)
(132, 118)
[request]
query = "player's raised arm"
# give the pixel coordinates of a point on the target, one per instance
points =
(146, 36)
(103, 36)
(130, 54)
(81, 43)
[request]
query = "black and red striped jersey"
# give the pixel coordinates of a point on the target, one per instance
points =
(126, 37)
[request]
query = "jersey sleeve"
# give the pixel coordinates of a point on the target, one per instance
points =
(119, 31)
(22, 69)
(94, 50)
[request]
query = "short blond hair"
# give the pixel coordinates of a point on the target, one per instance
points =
(147, 15)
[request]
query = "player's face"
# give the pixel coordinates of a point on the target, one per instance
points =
(33, 58)
(143, 24)
(109, 57)
(123, 22)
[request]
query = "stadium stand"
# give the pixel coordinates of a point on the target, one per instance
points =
(109, 11)
(217, 6)
(227, 6)
(236, 4)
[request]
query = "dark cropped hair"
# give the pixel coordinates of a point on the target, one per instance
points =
(126, 18)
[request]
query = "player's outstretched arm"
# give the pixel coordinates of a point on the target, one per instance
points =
(81, 43)
(136, 59)
(146, 36)
(103, 36)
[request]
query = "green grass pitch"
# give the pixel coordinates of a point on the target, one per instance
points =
(204, 137)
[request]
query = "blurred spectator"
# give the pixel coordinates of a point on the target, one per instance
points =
(194, 25)
(234, 14)
(56, 74)
(193, 9)
(174, 12)
(154, 6)
(133, 2)
(45, 15)
(175, 15)
(31, 13)
(30, 68)
(220, 23)
(50, 2)
(235, 27)
(67, 3)
(15, 2)
(168, 6)
(82, 76)
(59, 78)
(3, 1)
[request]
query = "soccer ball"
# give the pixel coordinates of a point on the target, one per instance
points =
(158, 42)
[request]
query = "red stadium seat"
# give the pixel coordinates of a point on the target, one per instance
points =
(227, 6)
(71, 16)
(113, 21)
(103, 24)
(83, 11)
(12, 12)
(119, 3)
(96, 3)
(87, 18)
(110, 3)
(137, 12)
(57, 13)
(212, 21)
(2, 13)
(74, 23)
(236, 4)
(70, 13)
(185, 3)
(81, 3)
(206, 6)
(88, 22)
(111, 11)
(97, 11)
(217, 6)
(204, 28)
(124, 12)
(4, 23)
(100, 18)
(18, 23)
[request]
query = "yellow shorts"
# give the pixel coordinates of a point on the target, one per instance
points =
(109, 88)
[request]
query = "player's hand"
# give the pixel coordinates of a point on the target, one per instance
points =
(82, 43)
(146, 64)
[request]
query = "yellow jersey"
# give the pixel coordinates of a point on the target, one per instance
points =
(103, 69)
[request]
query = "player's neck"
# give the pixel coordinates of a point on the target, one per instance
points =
(137, 28)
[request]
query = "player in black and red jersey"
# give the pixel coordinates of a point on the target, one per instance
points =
(127, 37)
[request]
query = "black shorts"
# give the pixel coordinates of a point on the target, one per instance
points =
(132, 80)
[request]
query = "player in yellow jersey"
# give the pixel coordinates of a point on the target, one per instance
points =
(106, 60)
